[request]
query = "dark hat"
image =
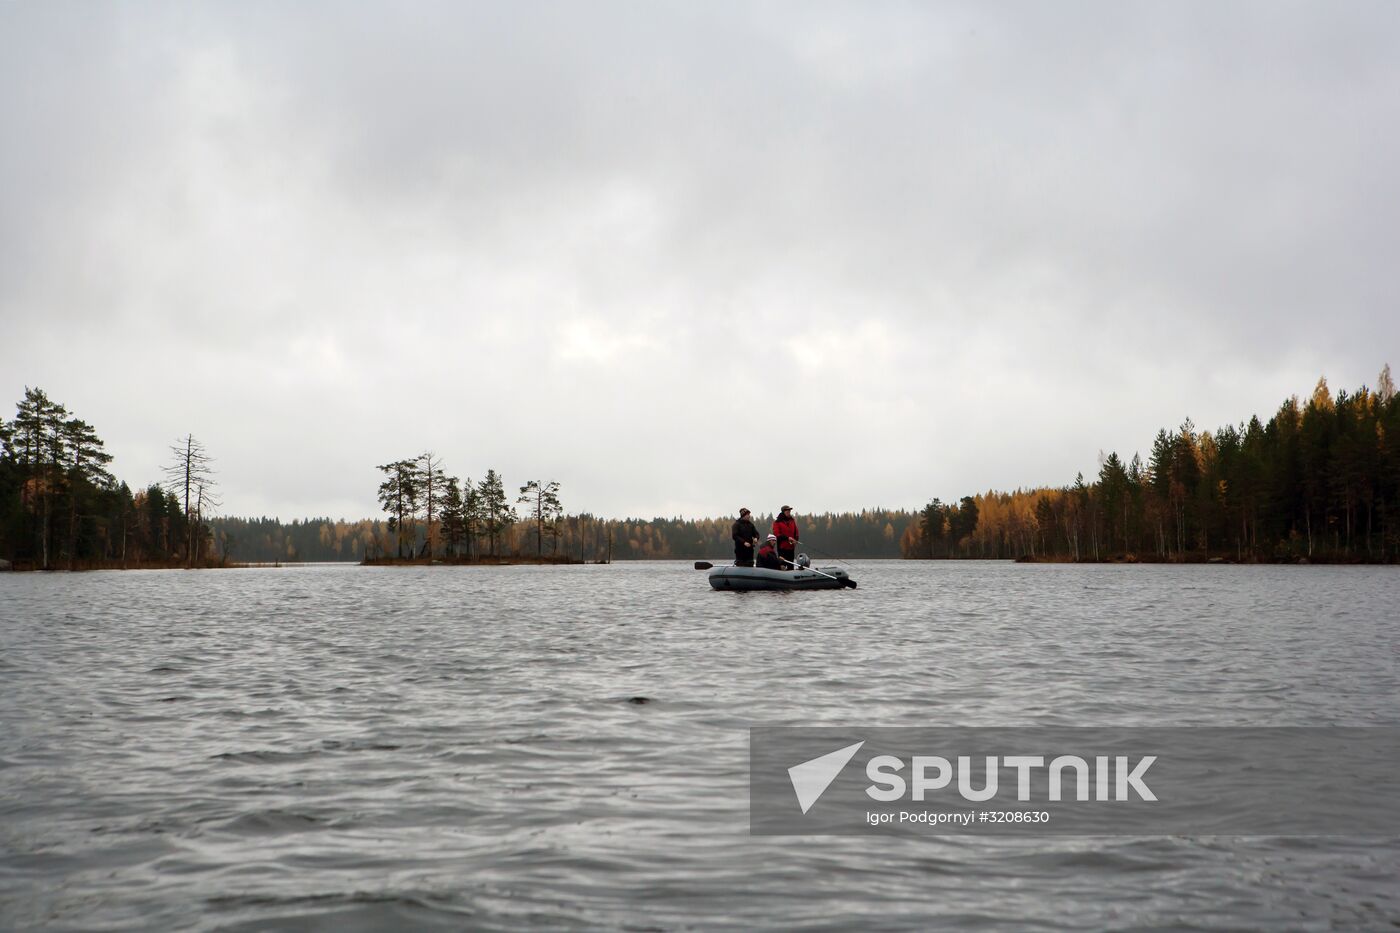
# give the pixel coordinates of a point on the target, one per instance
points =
(743, 511)
(786, 508)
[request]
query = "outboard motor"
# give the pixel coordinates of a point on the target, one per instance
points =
(804, 561)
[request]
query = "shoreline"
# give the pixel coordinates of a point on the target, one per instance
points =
(26, 566)
(1203, 560)
(508, 561)
(502, 561)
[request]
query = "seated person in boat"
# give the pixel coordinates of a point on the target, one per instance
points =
(768, 554)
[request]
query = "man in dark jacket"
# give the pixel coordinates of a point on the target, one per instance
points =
(745, 536)
(768, 554)
(785, 527)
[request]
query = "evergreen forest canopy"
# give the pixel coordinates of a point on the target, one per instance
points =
(873, 533)
(1320, 481)
(60, 507)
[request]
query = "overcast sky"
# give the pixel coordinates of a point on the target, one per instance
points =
(686, 257)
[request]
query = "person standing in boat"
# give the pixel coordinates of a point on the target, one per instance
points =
(745, 536)
(785, 528)
(768, 554)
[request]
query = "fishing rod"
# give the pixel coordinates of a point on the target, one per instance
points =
(706, 565)
(823, 554)
(797, 566)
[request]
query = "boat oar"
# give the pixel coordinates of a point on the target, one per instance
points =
(847, 582)
(703, 565)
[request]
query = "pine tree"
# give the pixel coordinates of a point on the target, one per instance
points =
(453, 516)
(87, 469)
(38, 439)
(932, 524)
(399, 495)
(963, 521)
(430, 471)
(544, 508)
(498, 515)
(473, 516)
(1113, 486)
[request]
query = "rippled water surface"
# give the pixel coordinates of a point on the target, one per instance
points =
(346, 748)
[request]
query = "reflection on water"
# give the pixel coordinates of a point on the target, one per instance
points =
(360, 748)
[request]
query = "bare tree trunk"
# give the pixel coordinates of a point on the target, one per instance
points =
(198, 531)
(44, 532)
(72, 530)
(189, 532)
(429, 466)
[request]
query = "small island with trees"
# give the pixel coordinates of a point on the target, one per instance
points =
(435, 518)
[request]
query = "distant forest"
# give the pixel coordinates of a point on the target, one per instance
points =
(872, 533)
(61, 508)
(434, 514)
(1320, 481)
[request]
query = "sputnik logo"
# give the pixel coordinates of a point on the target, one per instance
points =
(811, 778)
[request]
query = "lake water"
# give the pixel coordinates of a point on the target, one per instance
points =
(346, 748)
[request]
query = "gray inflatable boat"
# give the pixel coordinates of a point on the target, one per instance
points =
(760, 578)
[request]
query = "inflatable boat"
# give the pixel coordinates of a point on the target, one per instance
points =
(760, 578)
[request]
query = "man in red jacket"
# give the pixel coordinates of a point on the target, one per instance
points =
(785, 527)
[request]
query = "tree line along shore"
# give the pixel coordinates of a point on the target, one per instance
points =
(1318, 482)
(61, 508)
(581, 537)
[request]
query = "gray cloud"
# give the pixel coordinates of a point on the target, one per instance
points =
(838, 254)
